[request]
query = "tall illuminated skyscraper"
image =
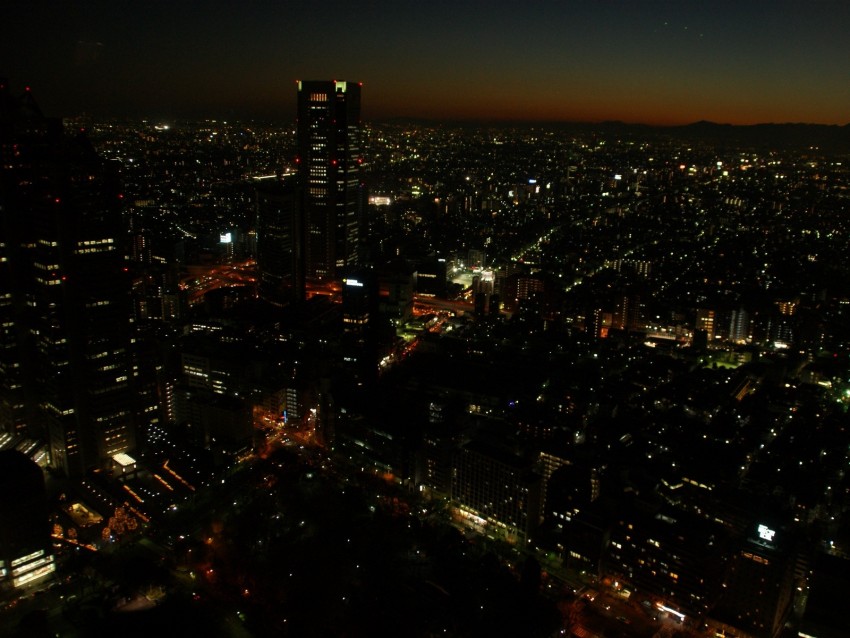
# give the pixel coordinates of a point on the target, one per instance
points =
(66, 306)
(329, 170)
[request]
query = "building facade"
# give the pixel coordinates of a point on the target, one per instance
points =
(69, 305)
(496, 492)
(328, 138)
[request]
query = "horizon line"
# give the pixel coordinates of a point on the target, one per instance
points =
(459, 121)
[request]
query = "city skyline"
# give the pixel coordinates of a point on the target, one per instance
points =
(583, 383)
(658, 63)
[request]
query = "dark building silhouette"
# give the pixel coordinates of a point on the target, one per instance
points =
(824, 615)
(361, 327)
(669, 554)
(359, 304)
(25, 137)
(758, 588)
(280, 241)
(397, 282)
(25, 546)
(329, 171)
(66, 300)
(431, 278)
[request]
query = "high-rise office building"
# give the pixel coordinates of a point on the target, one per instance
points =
(329, 171)
(68, 300)
(21, 128)
(280, 237)
(758, 589)
(360, 344)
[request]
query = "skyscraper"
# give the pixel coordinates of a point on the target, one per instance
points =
(280, 236)
(68, 301)
(329, 171)
(24, 136)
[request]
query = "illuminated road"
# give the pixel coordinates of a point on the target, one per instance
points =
(457, 307)
(199, 280)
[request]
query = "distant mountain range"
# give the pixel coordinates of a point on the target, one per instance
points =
(823, 137)
(828, 138)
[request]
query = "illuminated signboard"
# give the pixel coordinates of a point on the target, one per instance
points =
(766, 534)
(225, 238)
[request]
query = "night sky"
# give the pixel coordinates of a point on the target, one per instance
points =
(647, 61)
